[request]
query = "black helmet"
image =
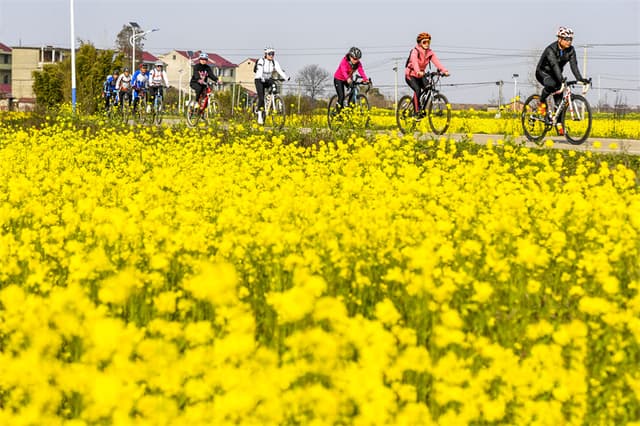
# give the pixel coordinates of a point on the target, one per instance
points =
(355, 53)
(116, 71)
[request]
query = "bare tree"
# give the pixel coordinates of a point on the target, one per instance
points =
(124, 46)
(313, 80)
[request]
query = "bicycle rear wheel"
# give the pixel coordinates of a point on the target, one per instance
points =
(405, 117)
(334, 116)
(577, 123)
(533, 122)
(439, 114)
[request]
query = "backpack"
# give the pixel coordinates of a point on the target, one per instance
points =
(408, 58)
(255, 66)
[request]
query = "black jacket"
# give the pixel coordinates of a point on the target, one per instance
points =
(202, 72)
(554, 59)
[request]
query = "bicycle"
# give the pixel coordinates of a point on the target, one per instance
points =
(433, 105)
(113, 106)
(204, 109)
(571, 117)
(274, 109)
(156, 110)
(356, 112)
(126, 108)
(140, 107)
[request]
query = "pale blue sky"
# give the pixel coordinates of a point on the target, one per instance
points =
(478, 41)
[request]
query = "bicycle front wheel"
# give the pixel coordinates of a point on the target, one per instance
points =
(405, 117)
(192, 114)
(277, 112)
(533, 122)
(439, 113)
(577, 120)
(158, 111)
(362, 118)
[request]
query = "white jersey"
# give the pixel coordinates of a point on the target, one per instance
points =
(266, 67)
(123, 82)
(158, 78)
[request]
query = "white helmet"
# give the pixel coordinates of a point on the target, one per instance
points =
(268, 50)
(203, 55)
(565, 32)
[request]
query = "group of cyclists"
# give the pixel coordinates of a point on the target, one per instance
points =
(548, 73)
(126, 89)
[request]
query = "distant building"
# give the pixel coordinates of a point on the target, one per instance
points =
(5, 71)
(26, 60)
(245, 74)
(180, 63)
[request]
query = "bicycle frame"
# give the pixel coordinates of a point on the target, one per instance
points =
(431, 80)
(565, 89)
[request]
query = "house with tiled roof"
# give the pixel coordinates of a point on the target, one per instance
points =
(180, 63)
(5, 70)
(149, 59)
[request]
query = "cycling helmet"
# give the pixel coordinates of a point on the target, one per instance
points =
(116, 71)
(159, 63)
(355, 53)
(203, 55)
(268, 50)
(125, 69)
(423, 36)
(143, 65)
(565, 32)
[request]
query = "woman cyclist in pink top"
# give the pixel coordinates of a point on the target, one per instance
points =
(420, 57)
(342, 78)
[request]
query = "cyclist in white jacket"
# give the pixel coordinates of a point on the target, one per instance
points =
(157, 80)
(265, 68)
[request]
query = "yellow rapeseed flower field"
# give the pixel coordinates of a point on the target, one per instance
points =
(189, 277)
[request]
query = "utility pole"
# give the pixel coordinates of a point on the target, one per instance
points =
(499, 84)
(515, 89)
(73, 60)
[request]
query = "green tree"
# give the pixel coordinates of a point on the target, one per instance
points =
(48, 86)
(53, 84)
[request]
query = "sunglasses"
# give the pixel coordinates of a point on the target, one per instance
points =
(425, 42)
(567, 38)
(270, 53)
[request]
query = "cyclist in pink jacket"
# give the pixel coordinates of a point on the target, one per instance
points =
(349, 65)
(419, 58)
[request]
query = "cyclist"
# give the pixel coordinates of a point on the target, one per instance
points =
(109, 88)
(419, 58)
(549, 68)
(139, 82)
(202, 72)
(264, 70)
(342, 78)
(157, 80)
(123, 84)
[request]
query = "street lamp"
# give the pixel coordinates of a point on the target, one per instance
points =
(180, 71)
(515, 89)
(132, 40)
(73, 58)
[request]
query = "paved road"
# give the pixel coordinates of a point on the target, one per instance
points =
(628, 146)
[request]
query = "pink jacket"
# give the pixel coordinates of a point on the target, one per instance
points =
(418, 61)
(345, 70)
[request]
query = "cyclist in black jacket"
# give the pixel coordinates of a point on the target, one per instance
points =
(201, 73)
(552, 61)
